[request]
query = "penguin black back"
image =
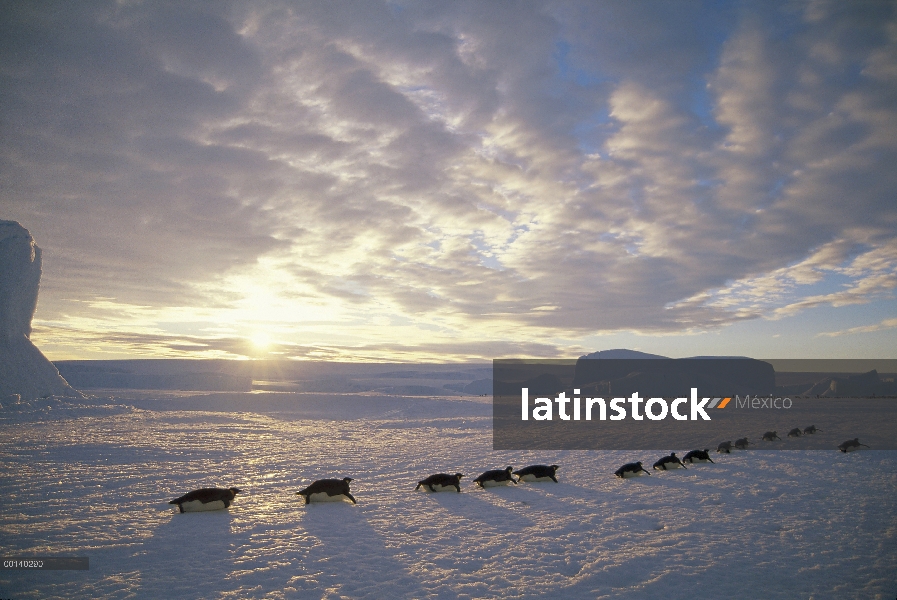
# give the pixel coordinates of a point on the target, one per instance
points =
(697, 456)
(206, 499)
(496, 477)
(327, 490)
(441, 480)
(538, 473)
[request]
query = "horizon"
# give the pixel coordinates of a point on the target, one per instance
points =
(407, 183)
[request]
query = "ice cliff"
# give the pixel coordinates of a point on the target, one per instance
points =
(24, 370)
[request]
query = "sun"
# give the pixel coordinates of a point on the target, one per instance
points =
(261, 340)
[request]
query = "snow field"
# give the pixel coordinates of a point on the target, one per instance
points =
(95, 480)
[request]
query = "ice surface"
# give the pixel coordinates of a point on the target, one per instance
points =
(93, 478)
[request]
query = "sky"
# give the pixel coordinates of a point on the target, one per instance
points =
(454, 181)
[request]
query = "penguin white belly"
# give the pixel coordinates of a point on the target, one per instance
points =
(324, 497)
(852, 449)
(533, 479)
(197, 506)
(697, 460)
(488, 484)
(442, 488)
(631, 474)
(671, 465)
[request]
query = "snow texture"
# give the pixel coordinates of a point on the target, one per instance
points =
(24, 371)
(92, 478)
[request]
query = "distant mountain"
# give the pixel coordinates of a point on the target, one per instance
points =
(161, 374)
(622, 372)
(857, 385)
(621, 353)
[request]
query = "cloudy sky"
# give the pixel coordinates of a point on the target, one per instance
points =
(454, 180)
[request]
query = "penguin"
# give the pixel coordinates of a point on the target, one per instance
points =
(538, 473)
(669, 462)
(496, 478)
(630, 470)
(697, 456)
(441, 482)
(742, 443)
(850, 445)
(770, 436)
(796, 432)
(811, 429)
(327, 490)
(206, 499)
(724, 447)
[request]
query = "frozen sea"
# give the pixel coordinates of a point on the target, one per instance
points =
(93, 477)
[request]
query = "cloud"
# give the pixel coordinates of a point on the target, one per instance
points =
(121, 344)
(456, 167)
(881, 326)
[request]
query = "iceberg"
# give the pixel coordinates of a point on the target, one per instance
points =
(24, 371)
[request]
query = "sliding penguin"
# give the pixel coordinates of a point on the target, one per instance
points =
(206, 499)
(850, 445)
(538, 473)
(698, 456)
(742, 443)
(796, 432)
(441, 482)
(495, 478)
(669, 462)
(811, 429)
(630, 470)
(327, 490)
(724, 447)
(770, 436)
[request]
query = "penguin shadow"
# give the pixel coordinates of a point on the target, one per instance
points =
(351, 558)
(502, 508)
(557, 497)
(187, 554)
(674, 478)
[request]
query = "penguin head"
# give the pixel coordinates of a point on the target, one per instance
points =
(459, 475)
(509, 469)
(347, 479)
(235, 491)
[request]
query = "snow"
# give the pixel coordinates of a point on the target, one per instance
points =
(93, 477)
